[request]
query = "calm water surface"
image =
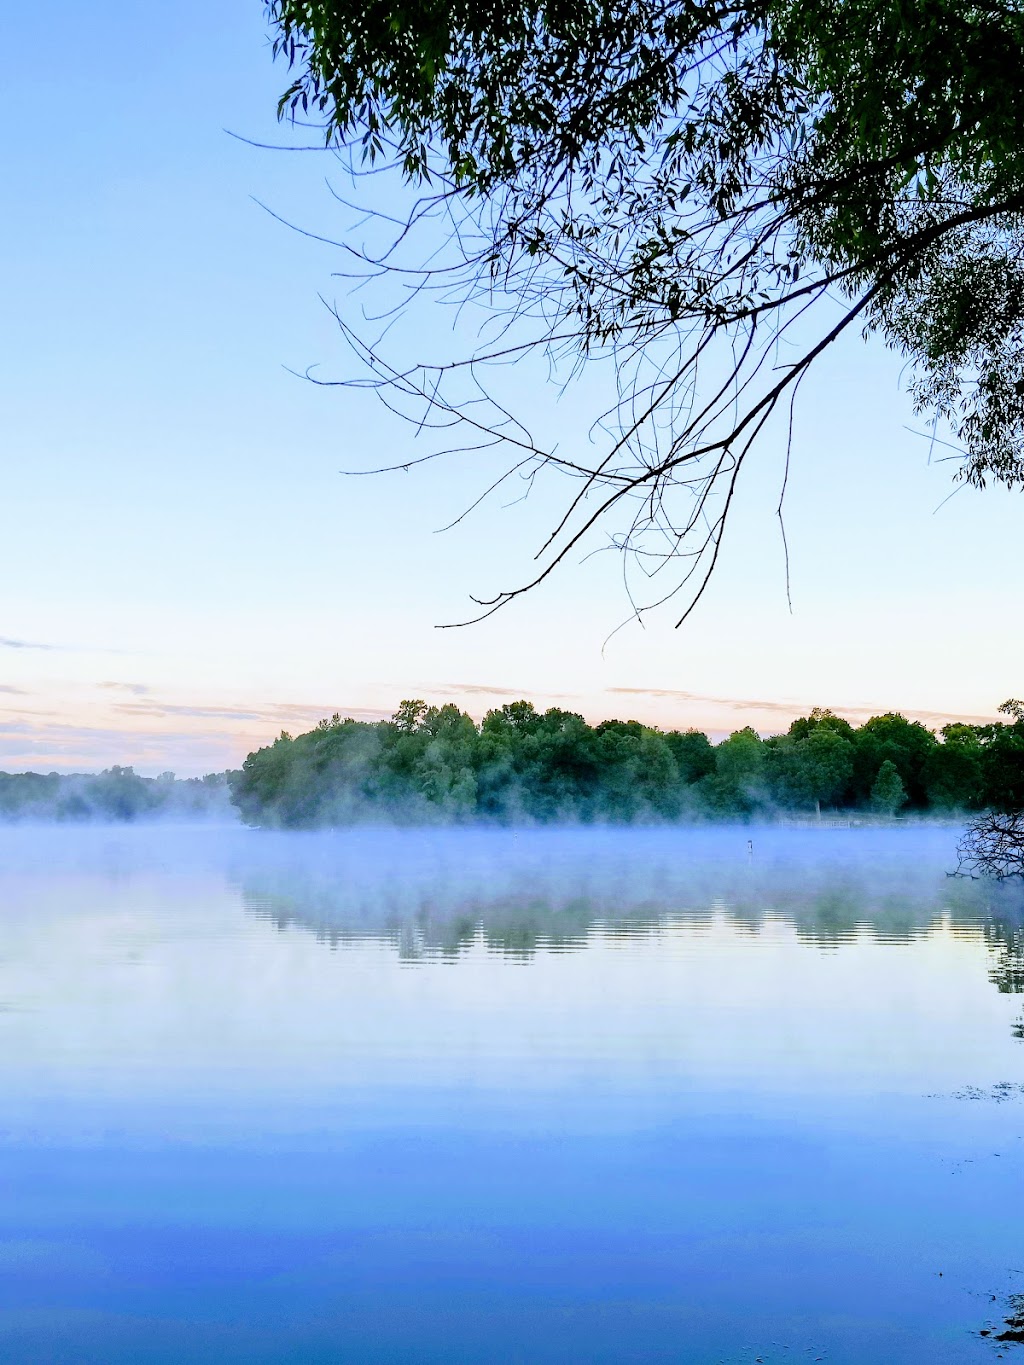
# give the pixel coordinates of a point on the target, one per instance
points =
(598, 1096)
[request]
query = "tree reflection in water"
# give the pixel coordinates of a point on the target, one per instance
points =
(438, 894)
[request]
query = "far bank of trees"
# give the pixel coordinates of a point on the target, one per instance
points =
(117, 795)
(430, 764)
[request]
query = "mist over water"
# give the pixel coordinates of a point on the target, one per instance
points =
(538, 1095)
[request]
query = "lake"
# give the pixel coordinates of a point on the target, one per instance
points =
(552, 1095)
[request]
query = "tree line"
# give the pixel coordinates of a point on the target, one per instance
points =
(118, 794)
(435, 763)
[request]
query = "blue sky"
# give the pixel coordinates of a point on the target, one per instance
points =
(185, 571)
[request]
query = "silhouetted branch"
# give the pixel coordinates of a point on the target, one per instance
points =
(993, 846)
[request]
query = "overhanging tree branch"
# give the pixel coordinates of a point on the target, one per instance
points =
(676, 191)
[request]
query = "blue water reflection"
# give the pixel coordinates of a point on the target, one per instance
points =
(496, 1096)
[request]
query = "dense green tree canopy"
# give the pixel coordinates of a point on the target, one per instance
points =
(675, 184)
(430, 764)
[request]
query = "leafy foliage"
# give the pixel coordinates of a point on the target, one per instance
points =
(887, 791)
(430, 764)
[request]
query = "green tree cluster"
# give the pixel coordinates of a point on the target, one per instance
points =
(431, 764)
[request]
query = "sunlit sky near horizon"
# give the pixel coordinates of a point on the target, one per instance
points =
(186, 571)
